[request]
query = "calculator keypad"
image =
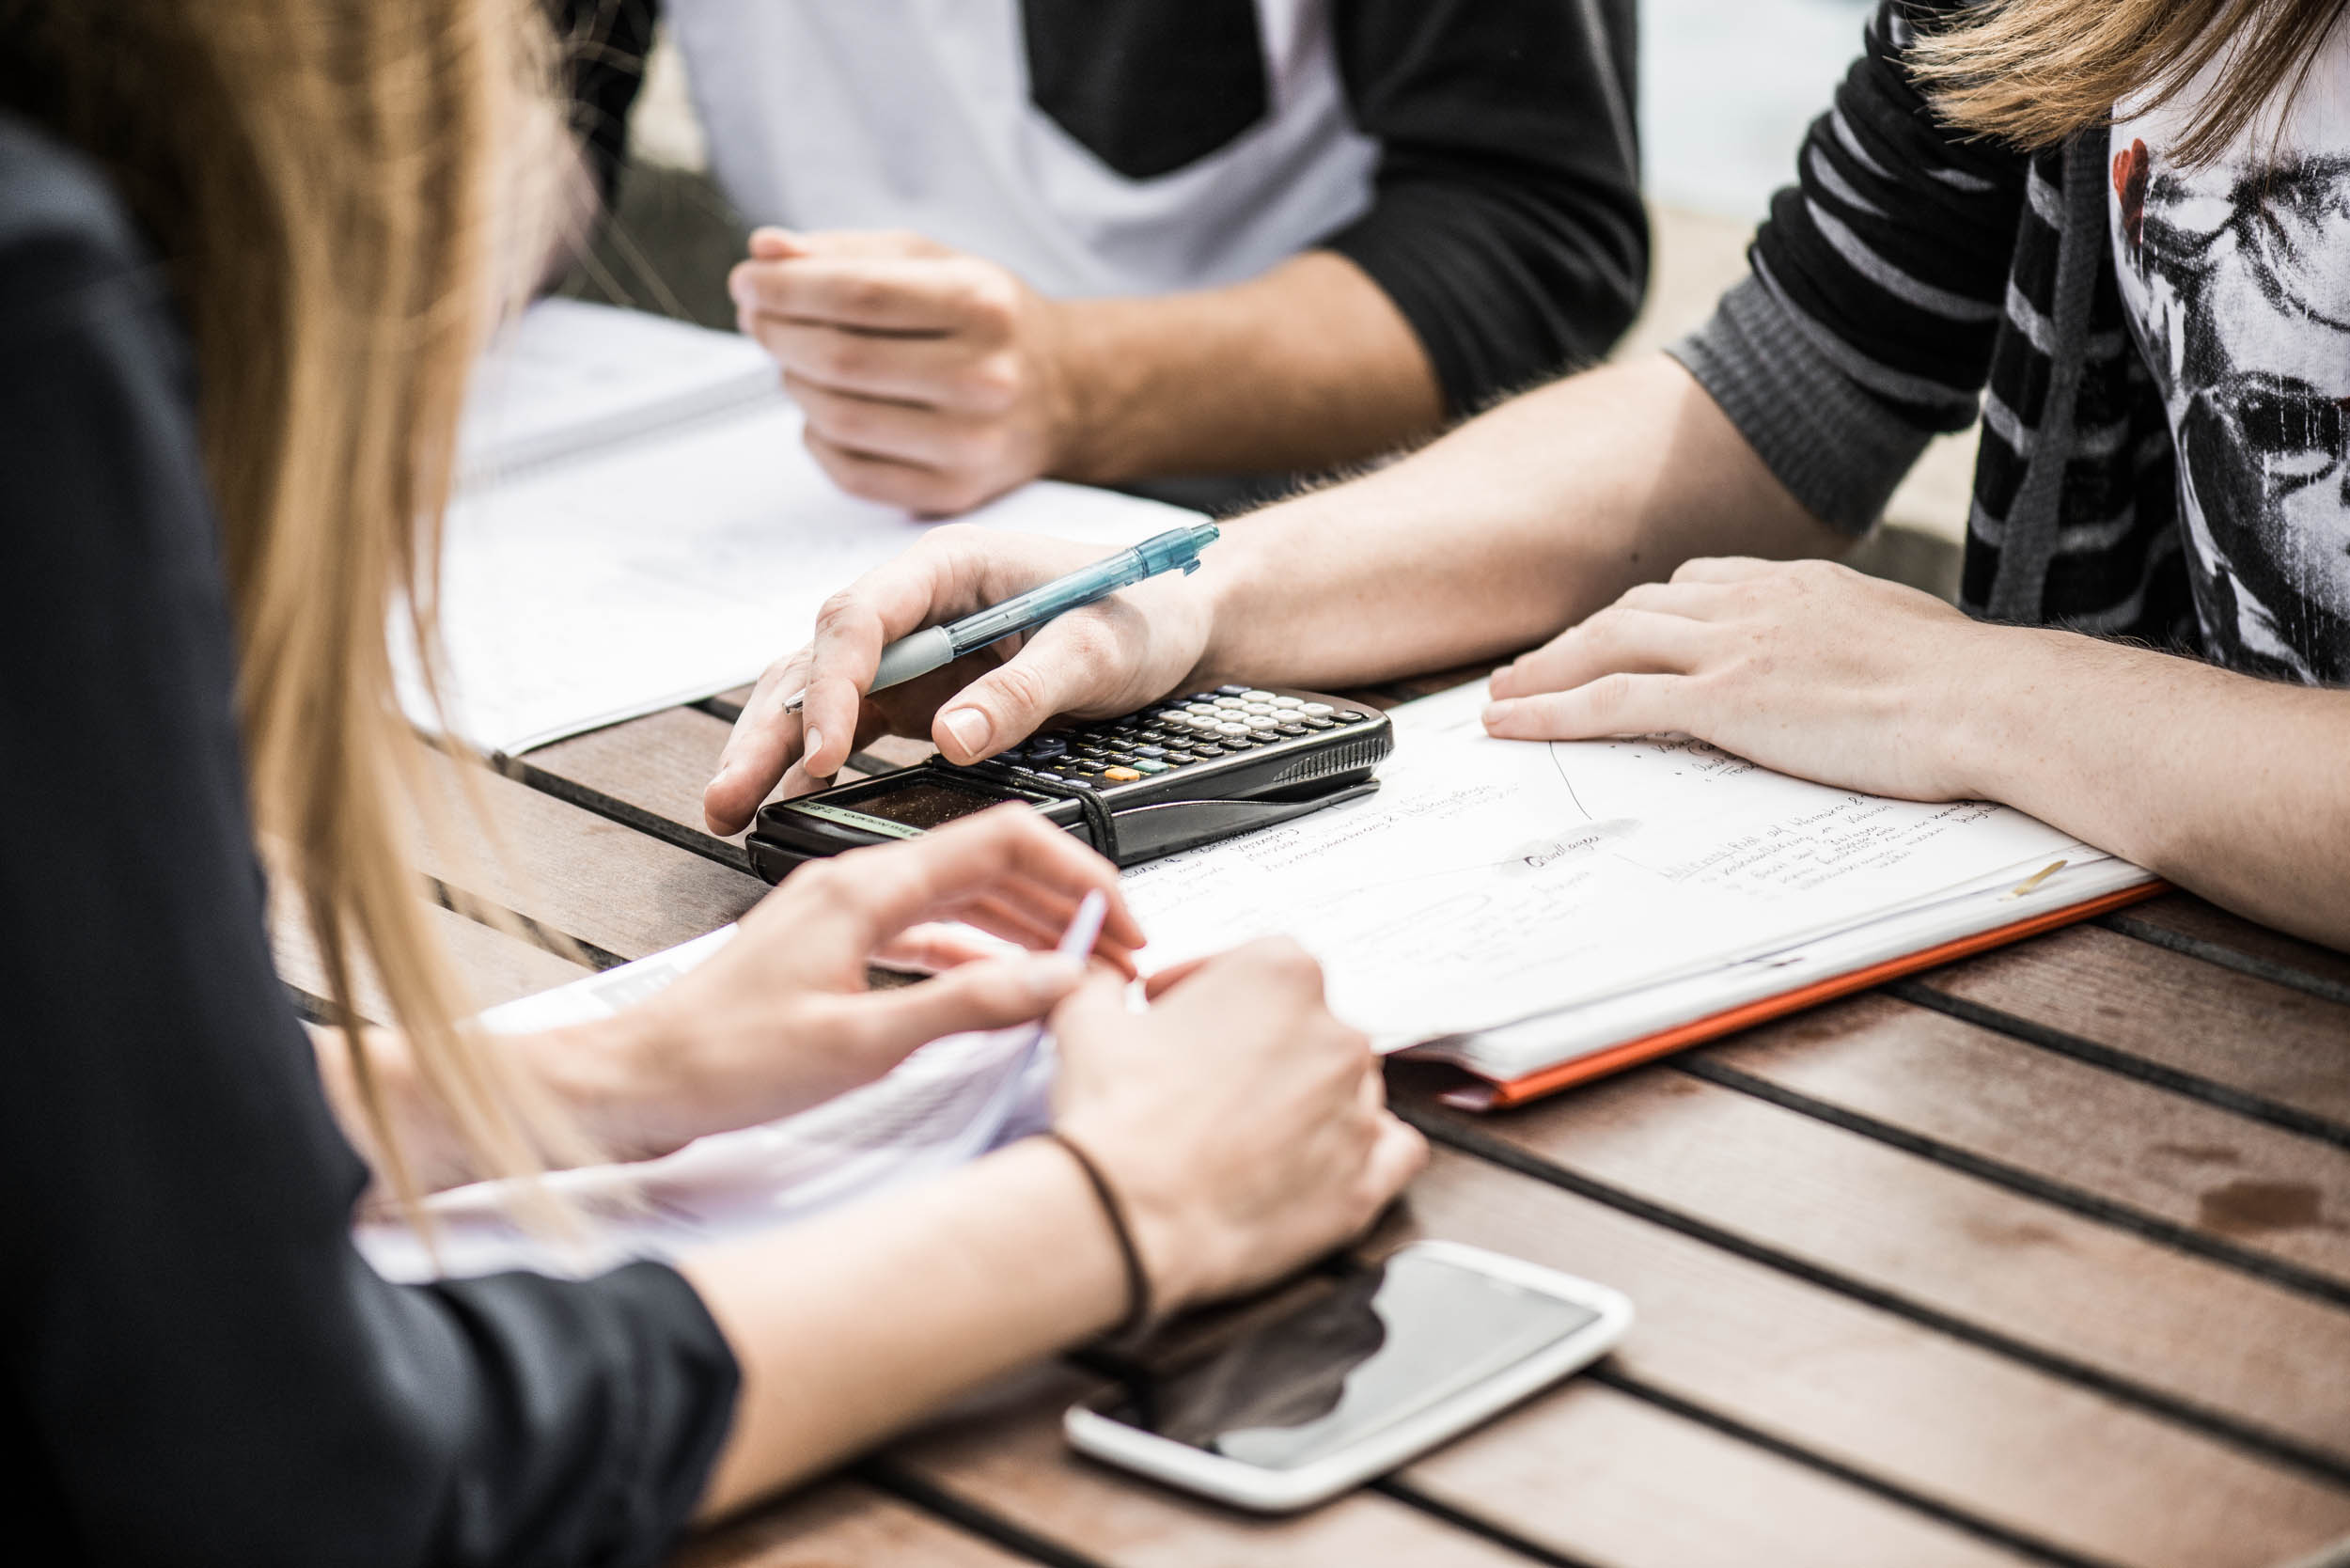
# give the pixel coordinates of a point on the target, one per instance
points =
(1167, 736)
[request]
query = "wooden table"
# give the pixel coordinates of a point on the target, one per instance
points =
(2041, 1258)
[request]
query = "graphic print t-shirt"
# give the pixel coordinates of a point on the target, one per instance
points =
(2237, 276)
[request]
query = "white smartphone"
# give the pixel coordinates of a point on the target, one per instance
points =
(1392, 1361)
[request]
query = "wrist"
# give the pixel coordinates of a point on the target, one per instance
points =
(614, 1078)
(1997, 686)
(1230, 573)
(1081, 395)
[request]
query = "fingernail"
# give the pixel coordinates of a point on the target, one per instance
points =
(813, 744)
(1053, 976)
(726, 770)
(970, 729)
(1496, 711)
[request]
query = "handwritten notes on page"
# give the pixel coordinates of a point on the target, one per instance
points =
(1490, 881)
(641, 526)
(947, 1104)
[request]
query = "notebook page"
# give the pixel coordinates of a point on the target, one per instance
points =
(1493, 881)
(630, 577)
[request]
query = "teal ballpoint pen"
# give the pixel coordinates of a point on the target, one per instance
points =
(1176, 550)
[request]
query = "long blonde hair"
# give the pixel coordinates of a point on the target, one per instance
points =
(2036, 72)
(334, 185)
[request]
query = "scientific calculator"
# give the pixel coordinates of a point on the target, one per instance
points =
(1172, 777)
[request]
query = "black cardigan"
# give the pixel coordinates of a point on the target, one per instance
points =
(195, 1366)
(1506, 221)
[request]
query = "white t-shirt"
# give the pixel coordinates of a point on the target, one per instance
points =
(2235, 275)
(919, 115)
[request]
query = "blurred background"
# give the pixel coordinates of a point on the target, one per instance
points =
(1727, 89)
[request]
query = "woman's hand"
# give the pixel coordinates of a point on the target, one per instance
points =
(1808, 667)
(1245, 1129)
(780, 1019)
(1110, 657)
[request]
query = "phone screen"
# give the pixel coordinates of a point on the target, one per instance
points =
(1384, 1345)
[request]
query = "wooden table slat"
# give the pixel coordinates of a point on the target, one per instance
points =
(2180, 1161)
(2187, 924)
(841, 1524)
(495, 966)
(2266, 1040)
(2030, 1275)
(591, 879)
(1595, 1485)
(1870, 1389)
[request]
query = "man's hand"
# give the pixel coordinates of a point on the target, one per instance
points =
(1808, 667)
(932, 380)
(1109, 657)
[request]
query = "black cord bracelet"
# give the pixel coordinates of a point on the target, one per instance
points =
(1137, 1316)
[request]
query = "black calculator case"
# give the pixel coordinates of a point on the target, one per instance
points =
(1203, 767)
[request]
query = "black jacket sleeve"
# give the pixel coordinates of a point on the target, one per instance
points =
(600, 47)
(204, 1369)
(1507, 223)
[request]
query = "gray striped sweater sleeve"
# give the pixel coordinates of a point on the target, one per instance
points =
(1867, 322)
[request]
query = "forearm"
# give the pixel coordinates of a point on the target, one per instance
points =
(2228, 786)
(1305, 367)
(851, 1326)
(1515, 524)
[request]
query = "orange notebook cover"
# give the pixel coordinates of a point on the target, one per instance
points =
(1499, 1095)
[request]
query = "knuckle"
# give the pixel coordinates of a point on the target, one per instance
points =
(839, 356)
(1021, 688)
(993, 382)
(843, 612)
(864, 296)
(1611, 695)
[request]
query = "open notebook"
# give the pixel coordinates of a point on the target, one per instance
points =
(1541, 913)
(637, 524)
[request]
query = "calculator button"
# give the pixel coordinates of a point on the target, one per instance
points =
(1149, 751)
(1288, 703)
(1256, 707)
(1262, 721)
(1180, 757)
(1047, 747)
(1231, 729)
(1203, 752)
(1231, 691)
(1255, 696)
(1121, 776)
(1292, 729)
(1352, 718)
(1230, 702)
(1312, 723)
(1319, 710)
(1150, 765)
(1051, 778)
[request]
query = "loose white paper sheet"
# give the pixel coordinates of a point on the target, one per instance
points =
(1492, 882)
(641, 526)
(947, 1104)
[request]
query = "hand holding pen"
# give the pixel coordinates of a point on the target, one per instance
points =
(974, 638)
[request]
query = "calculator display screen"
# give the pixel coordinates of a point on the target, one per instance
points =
(920, 803)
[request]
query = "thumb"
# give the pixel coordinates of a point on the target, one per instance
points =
(1056, 672)
(989, 994)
